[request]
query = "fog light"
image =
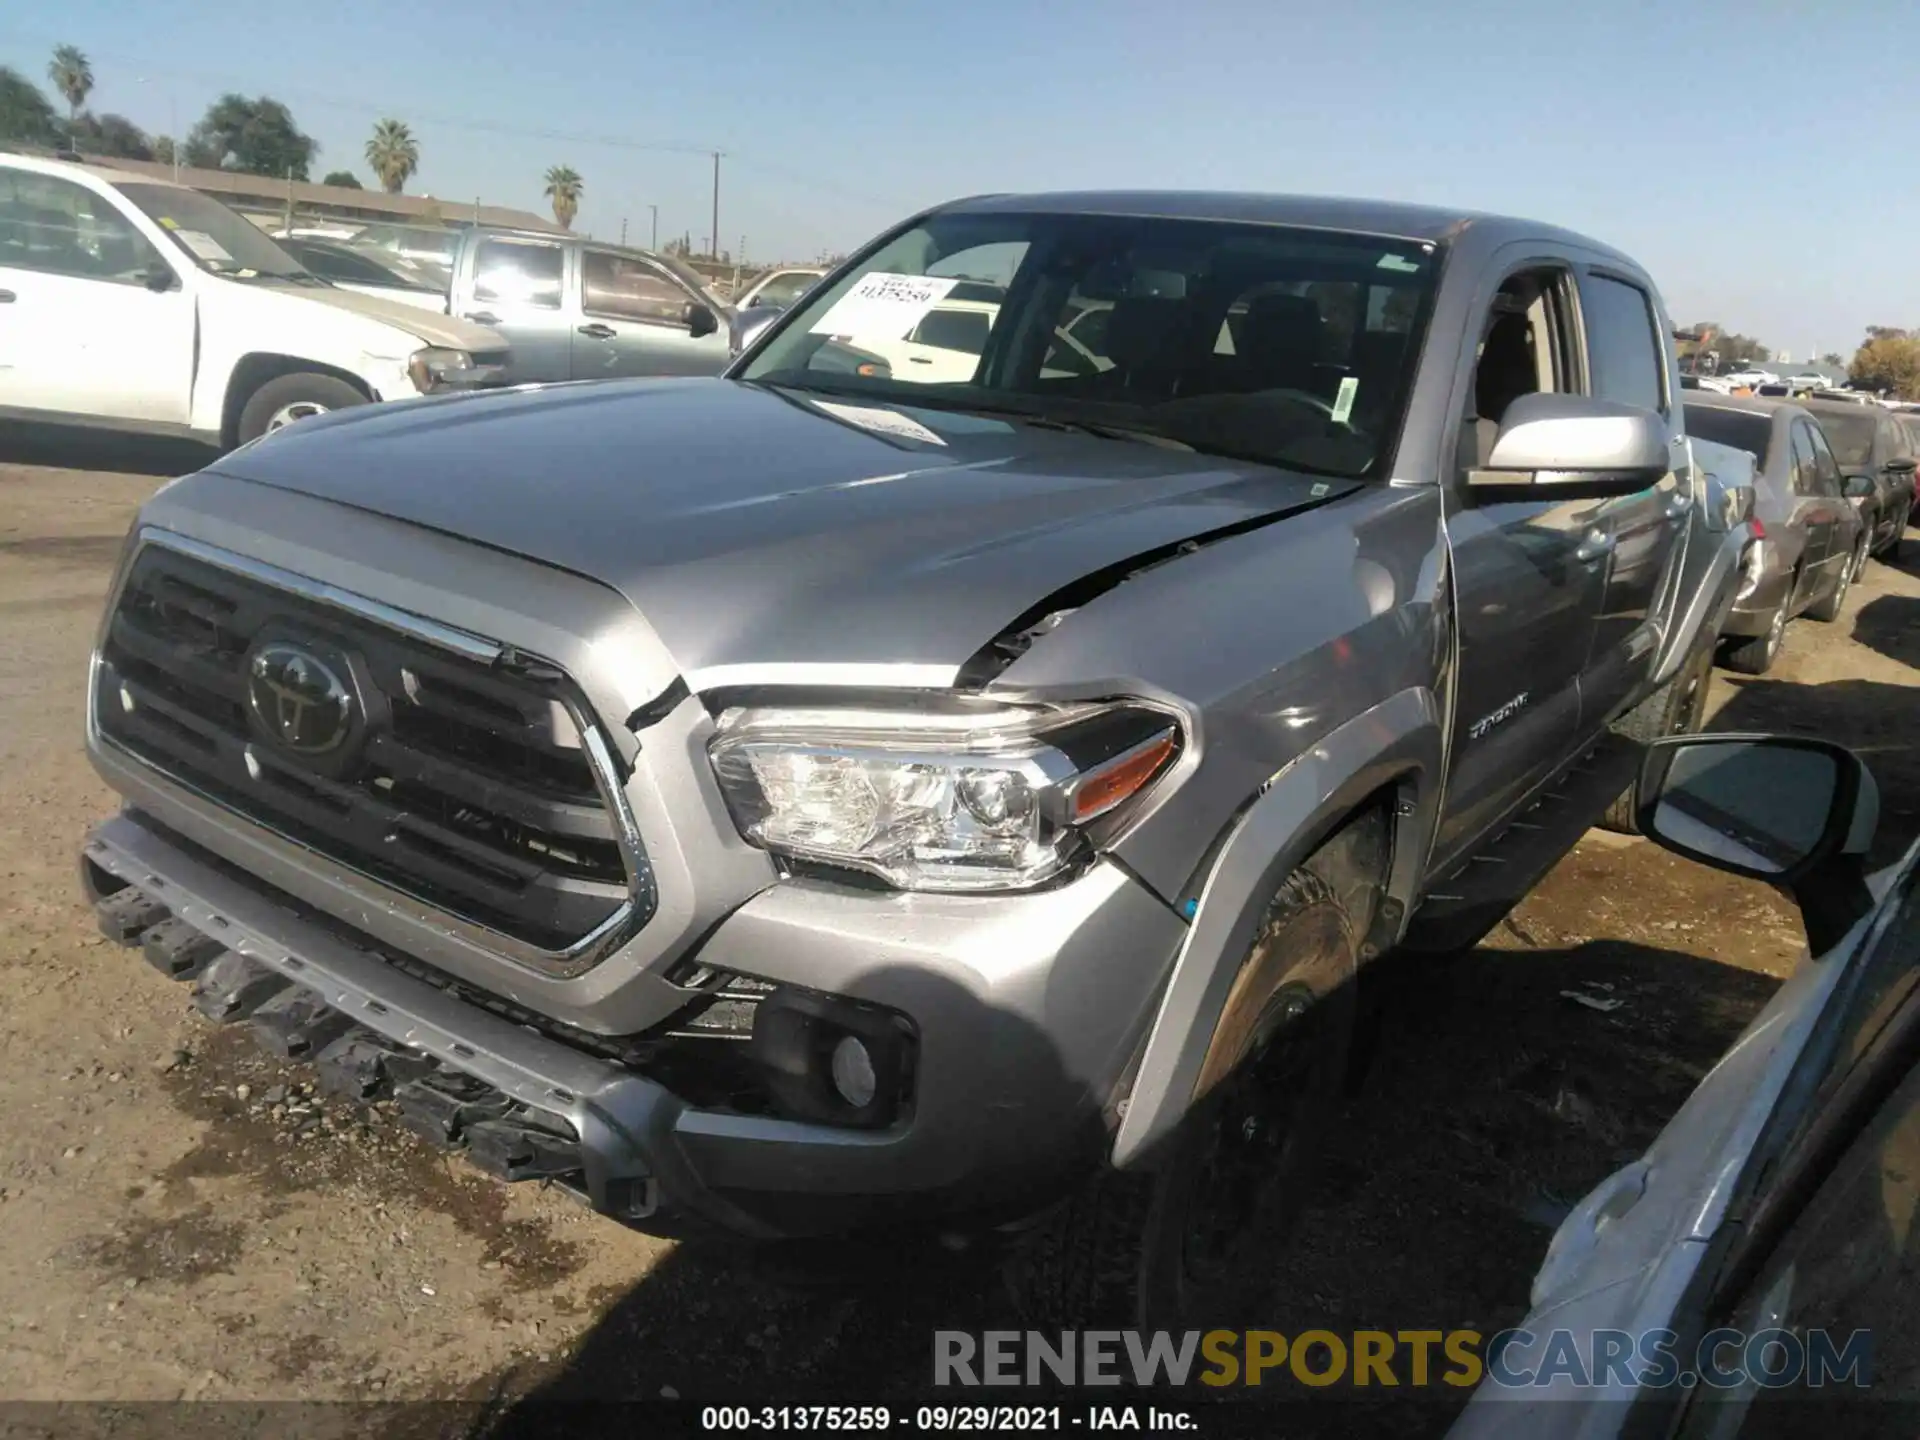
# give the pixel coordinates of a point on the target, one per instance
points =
(853, 1072)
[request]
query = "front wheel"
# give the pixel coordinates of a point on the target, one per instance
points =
(1755, 655)
(286, 399)
(1189, 1242)
(1828, 607)
(1676, 708)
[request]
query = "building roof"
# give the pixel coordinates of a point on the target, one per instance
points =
(363, 204)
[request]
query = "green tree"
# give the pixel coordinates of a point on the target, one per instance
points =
(1888, 361)
(110, 135)
(394, 154)
(345, 179)
(255, 136)
(163, 149)
(26, 116)
(563, 189)
(1832, 357)
(72, 76)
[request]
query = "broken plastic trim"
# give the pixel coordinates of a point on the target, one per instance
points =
(988, 662)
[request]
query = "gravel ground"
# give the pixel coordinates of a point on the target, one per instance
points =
(180, 1217)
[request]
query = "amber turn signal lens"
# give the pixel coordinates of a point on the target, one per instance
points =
(1122, 777)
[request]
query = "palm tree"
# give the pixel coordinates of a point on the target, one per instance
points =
(563, 188)
(393, 154)
(72, 76)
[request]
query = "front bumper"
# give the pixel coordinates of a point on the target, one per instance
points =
(1004, 1115)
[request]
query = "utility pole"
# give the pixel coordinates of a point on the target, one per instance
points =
(716, 202)
(623, 229)
(655, 245)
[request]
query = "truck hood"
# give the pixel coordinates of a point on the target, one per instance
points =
(769, 535)
(431, 328)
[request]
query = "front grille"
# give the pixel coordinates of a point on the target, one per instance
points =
(462, 785)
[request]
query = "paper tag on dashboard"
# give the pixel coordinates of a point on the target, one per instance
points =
(1343, 399)
(880, 421)
(881, 306)
(204, 246)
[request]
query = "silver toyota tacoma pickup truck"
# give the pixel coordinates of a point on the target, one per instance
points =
(955, 769)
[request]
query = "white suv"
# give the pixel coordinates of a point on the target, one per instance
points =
(136, 304)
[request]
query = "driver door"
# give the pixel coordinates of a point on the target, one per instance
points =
(634, 321)
(82, 333)
(1528, 573)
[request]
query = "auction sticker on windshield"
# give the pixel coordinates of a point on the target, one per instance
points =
(881, 306)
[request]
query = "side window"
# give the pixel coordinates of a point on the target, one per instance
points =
(60, 228)
(1524, 350)
(1893, 440)
(622, 288)
(1805, 471)
(1825, 466)
(519, 272)
(1623, 352)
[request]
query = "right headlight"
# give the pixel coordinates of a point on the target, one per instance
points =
(988, 800)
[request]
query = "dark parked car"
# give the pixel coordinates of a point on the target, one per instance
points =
(1808, 541)
(1876, 456)
(1760, 1260)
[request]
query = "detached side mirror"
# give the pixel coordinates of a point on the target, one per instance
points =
(701, 321)
(1794, 812)
(1576, 445)
(1859, 487)
(1901, 465)
(751, 325)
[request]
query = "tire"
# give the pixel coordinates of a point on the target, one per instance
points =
(1168, 1248)
(1676, 708)
(1755, 655)
(1828, 607)
(287, 398)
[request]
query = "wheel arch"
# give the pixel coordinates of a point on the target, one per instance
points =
(1389, 756)
(256, 368)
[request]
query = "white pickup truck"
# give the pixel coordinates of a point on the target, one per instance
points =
(129, 303)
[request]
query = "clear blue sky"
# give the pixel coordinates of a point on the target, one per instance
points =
(840, 115)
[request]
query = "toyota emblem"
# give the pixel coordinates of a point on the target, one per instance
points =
(299, 699)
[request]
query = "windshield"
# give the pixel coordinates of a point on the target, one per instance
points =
(212, 236)
(1289, 347)
(1738, 428)
(1849, 435)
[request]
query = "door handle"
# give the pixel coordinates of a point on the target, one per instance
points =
(7, 297)
(598, 332)
(483, 317)
(1597, 543)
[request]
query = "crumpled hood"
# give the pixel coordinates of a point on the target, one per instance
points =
(753, 528)
(432, 328)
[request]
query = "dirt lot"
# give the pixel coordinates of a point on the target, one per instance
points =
(178, 1218)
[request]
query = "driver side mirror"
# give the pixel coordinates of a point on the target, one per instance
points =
(1794, 812)
(1859, 487)
(1576, 445)
(158, 277)
(701, 321)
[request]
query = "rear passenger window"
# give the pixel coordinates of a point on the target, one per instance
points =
(1806, 480)
(519, 272)
(1825, 465)
(1623, 355)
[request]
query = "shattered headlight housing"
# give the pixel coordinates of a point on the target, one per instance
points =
(980, 800)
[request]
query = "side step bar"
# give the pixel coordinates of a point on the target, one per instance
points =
(1462, 908)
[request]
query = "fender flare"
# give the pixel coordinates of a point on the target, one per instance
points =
(1396, 743)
